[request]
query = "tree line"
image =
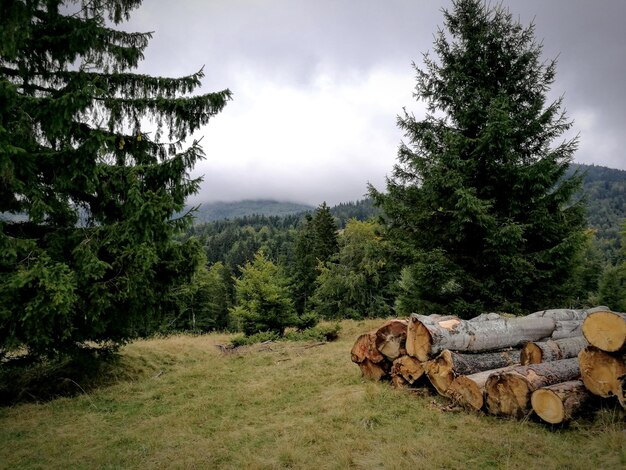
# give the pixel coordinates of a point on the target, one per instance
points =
(479, 213)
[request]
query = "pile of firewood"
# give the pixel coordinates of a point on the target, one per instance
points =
(551, 362)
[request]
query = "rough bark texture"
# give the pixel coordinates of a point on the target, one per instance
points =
(561, 314)
(407, 367)
(391, 339)
(602, 372)
(365, 349)
(508, 393)
(469, 390)
(621, 396)
(606, 330)
(372, 370)
(448, 365)
(560, 402)
(430, 338)
(567, 329)
(535, 353)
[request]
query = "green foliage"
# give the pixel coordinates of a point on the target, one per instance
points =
(87, 196)
(612, 290)
(356, 282)
(261, 337)
(478, 205)
(203, 303)
(316, 243)
(263, 298)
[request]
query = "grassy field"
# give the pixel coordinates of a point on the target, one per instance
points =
(180, 402)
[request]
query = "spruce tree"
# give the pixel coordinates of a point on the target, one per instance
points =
(478, 204)
(89, 198)
(316, 242)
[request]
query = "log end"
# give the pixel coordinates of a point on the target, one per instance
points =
(466, 393)
(606, 330)
(439, 371)
(373, 371)
(530, 354)
(508, 394)
(548, 406)
(422, 342)
(601, 372)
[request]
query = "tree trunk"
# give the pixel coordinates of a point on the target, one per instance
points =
(602, 372)
(372, 370)
(365, 349)
(448, 365)
(397, 381)
(429, 338)
(411, 332)
(469, 390)
(560, 314)
(567, 329)
(606, 330)
(508, 393)
(559, 403)
(407, 367)
(621, 396)
(391, 339)
(535, 353)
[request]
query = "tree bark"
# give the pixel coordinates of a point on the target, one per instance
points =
(365, 349)
(391, 339)
(567, 329)
(448, 365)
(430, 338)
(407, 367)
(606, 330)
(559, 403)
(535, 353)
(560, 314)
(469, 390)
(374, 371)
(602, 372)
(508, 393)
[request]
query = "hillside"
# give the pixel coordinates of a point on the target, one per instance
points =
(179, 402)
(605, 191)
(212, 211)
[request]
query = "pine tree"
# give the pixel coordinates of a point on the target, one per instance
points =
(477, 203)
(88, 197)
(263, 298)
(316, 243)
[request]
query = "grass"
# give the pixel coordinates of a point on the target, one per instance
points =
(180, 402)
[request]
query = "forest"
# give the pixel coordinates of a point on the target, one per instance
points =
(484, 209)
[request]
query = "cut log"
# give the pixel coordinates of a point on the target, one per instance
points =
(397, 381)
(567, 329)
(508, 393)
(429, 338)
(535, 353)
(606, 330)
(365, 349)
(559, 403)
(373, 371)
(407, 367)
(469, 390)
(561, 314)
(391, 339)
(448, 365)
(486, 317)
(602, 372)
(621, 396)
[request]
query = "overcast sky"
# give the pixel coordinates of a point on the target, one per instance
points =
(318, 84)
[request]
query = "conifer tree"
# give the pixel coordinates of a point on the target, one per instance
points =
(263, 297)
(88, 197)
(317, 242)
(478, 203)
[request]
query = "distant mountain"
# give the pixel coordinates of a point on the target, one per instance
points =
(213, 211)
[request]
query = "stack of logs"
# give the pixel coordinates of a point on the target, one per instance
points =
(551, 362)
